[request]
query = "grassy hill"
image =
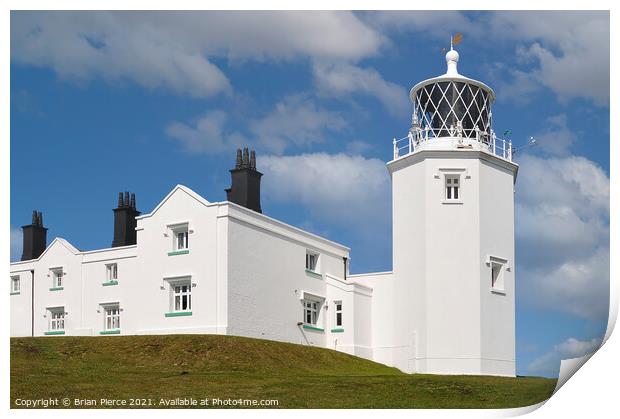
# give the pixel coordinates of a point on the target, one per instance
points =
(228, 367)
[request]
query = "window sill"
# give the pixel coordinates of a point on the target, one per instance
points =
(55, 332)
(498, 291)
(318, 329)
(57, 288)
(15, 293)
(178, 313)
(110, 332)
(108, 283)
(314, 274)
(338, 330)
(178, 252)
(452, 202)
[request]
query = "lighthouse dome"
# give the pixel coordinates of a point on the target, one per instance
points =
(453, 105)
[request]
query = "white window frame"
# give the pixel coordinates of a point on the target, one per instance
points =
(111, 272)
(56, 319)
(111, 316)
(176, 291)
(312, 308)
(453, 190)
(312, 261)
(15, 280)
(58, 277)
(180, 236)
(497, 272)
(338, 311)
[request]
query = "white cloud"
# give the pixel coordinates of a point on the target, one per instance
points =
(173, 50)
(338, 189)
(549, 363)
(294, 121)
(204, 135)
(571, 49)
(16, 243)
(557, 137)
(437, 23)
(337, 79)
(562, 229)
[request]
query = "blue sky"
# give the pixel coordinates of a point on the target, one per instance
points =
(107, 102)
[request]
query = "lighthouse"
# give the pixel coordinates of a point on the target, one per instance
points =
(453, 233)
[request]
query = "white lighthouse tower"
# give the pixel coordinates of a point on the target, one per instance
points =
(453, 231)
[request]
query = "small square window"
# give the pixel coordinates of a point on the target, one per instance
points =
(452, 188)
(57, 278)
(15, 284)
(111, 272)
(180, 237)
(312, 261)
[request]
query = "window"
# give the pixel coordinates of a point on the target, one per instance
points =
(57, 278)
(497, 276)
(311, 261)
(15, 285)
(111, 272)
(181, 239)
(56, 318)
(338, 310)
(453, 188)
(181, 296)
(311, 312)
(498, 266)
(111, 317)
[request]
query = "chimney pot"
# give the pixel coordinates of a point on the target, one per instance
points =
(239, 160)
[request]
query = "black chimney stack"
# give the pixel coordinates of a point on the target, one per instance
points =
(125, 220)
(245, 188)
(35, 237)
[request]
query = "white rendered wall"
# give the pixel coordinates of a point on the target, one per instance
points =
(20, 304)
(147, 297)
(96, 294)
(381, 325)
(438, 264)
(267, 278)
(497, 240)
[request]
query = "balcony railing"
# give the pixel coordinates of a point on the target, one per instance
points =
(462, 138)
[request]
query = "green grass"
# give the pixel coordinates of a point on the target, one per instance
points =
(228, 367)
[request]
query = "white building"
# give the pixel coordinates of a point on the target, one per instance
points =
(194, 266)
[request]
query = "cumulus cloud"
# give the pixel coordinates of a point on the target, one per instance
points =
(294, 121)
(562, 230)
(557, 137)
(174, 50)
(16, 243)
(549, 363)
(570, 48)
(336, 79)
(338, 189)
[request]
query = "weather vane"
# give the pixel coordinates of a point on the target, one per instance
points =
(454, 40)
